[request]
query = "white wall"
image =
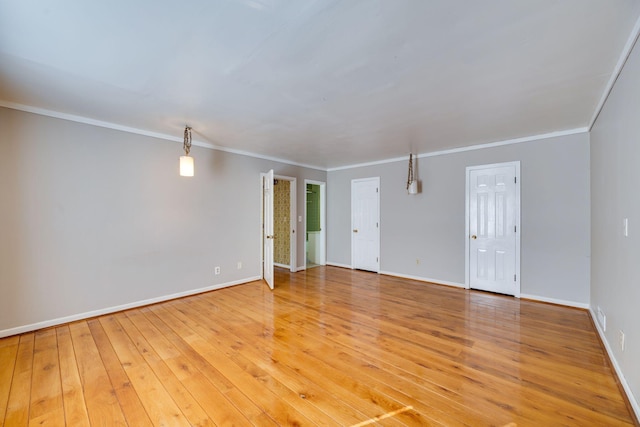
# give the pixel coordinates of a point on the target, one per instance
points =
(615, 179)
(94, 218)
(430, 226)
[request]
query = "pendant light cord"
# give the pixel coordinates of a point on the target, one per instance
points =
(410, 177)
(187, 140)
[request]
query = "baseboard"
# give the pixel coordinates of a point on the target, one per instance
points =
(287, 267)
(616, 366)
(555, 301)
(337, 264)
(424, 279)
(86, 315)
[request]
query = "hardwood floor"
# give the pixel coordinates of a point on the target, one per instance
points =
(330, 347)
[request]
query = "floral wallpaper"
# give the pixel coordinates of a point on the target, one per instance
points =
(281, 221)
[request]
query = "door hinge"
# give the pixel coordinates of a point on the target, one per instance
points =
(514, 278)
(377, 259)
(515, 228)
(377, 226)
(376, 189)
(515, 179)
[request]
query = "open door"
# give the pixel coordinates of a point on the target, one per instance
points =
(267, 228)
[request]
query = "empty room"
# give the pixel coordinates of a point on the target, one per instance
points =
(319, 212)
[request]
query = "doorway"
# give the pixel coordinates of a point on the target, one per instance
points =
(284, 222)
(315, 223)
(493, 228)
(365, 224)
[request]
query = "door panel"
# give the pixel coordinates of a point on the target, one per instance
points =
(365, 222)
(493, 216)
(267, 228)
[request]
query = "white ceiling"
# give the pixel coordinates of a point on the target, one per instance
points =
(326, 82)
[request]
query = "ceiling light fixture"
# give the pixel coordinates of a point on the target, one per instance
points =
(412, 182)
(186, 161)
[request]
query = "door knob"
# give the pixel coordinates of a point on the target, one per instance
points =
(270, 237)
(355, 230)
(474, 237)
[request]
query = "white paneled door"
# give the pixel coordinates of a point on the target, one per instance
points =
(493, 212)
(267, 228)
(365, 224)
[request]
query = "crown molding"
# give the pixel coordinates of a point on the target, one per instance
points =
(469, 148)
(624, 56)
(94, 122)
(162, 136)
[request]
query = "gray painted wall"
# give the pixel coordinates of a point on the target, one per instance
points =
(94, 218)
(615, 175)
(430, 227)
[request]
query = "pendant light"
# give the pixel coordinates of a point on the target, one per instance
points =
(186, 162)
(412, 182)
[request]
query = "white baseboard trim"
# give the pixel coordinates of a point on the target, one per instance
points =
(424, 279)
(616, 366)
(337, 264)
(555, 301)
(286, 266)
(301, 268)
(86, 315)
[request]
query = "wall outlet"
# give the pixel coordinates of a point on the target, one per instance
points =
(625, 227)
(217, 270)
(417, 261)
(239, 265)
(621, 340)
(602, 319)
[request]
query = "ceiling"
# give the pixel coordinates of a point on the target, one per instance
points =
(325, 83)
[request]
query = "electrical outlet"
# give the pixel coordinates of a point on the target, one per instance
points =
(417, 261)
(217, 270)
(239, 265)
(621, 339)
(603, 319)
(625, 227)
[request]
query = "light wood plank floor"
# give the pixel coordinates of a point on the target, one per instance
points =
(329, 347)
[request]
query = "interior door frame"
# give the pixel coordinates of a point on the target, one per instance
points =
(323, 219)
(293, 259)
(467, 263)
(353, 181)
